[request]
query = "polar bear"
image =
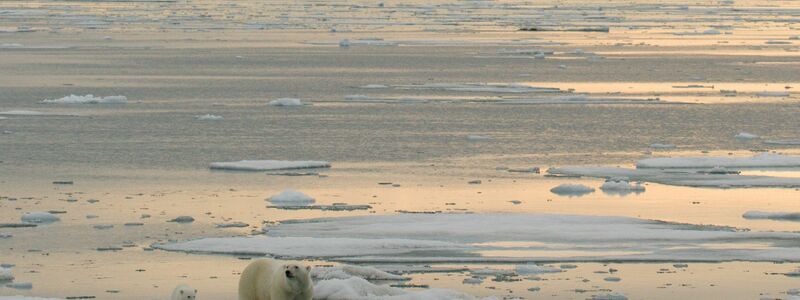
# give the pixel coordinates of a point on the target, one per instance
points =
(269, 279)
(183, 292)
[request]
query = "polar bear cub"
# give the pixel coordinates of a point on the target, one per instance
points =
(183, 292)
(269, 279)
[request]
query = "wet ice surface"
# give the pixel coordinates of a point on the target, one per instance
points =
(422, 102)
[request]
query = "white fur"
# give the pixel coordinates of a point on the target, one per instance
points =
(267, 279)
(183, 292)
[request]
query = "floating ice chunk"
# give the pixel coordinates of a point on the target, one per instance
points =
(531, 269)
(374, 86)
(662, 146)
(621, 187)
(269, 165)
(358, 288)
(783, 142)
(684, 178)
(762, 160)
(773, 94)
(88, 99)
(291, 198)
(712, 32)
(182, 219)
(10, 45)
(39, 218)
(344, 43)
(6, 275)
(476, 138)
(232, 225)
(781, 216)
(572, 190)
(745, 136)
(20, 285)
(612, 296)
(103, 226)
(209, 117)
(348, 271)
(286, 102)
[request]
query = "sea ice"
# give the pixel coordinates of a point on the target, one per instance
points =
(39, 218)
(6, 275)
(466, 238)
(481, 87)
(783, 142)
(209, 117)
(782, 216)
(531, 269)
(621, 186)
(478, 138)
(662, 146)
(681, 178)
(291, 198)
(348, 271)
(286, 102)
(268, 165)
(355, 288)
(772, 94)
(572, 190)
(762, 160)
(745, 136)
(87, 99)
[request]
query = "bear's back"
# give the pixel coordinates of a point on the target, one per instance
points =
(256, 280)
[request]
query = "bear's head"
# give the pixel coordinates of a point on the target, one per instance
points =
(298, 277)
(188, 294)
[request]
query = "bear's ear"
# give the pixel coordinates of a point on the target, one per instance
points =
(181, 292)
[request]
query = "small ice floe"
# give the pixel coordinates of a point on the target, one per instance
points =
(773, 94)
(783, 142)
(344, 43)
(232, 225)
(286, 102)
(604, 29)
(39, 218)
(20, 286)
(534, 170)
(268, 165)
(621, 186)
(291, 198)
(611, 296)
(348, 271)
(531, 269)
(660, 146)
(208, 117)
(612, 279)
(5, 236)
(10, 46)
(6, 275)
(779, 216)
(87, 99)
(182, 219)
(745, 136)
(472, 280)
(374, 86)
(103, 226)
(477, 138)
(477, 181)
(571, 190)
(762, 160)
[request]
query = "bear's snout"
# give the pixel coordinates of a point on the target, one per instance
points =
(289, 274)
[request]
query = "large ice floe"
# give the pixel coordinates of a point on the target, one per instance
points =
(763, 160)
(87, 99)
(572, 190)
(463, 238)
(779, 216)
(679, 177)
(268, 165)
(357, 288)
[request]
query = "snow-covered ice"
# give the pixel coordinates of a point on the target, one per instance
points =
(532, 269)
(39, 218)
(572, 190)
(208, 117)
(286, 102)
(745, 136)
(347, 271)
(439, 238)
(268, 165)
(291, 198)
(621, 186)
(88, 99)
(6, 274)
(356, 288)
(762, 160)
